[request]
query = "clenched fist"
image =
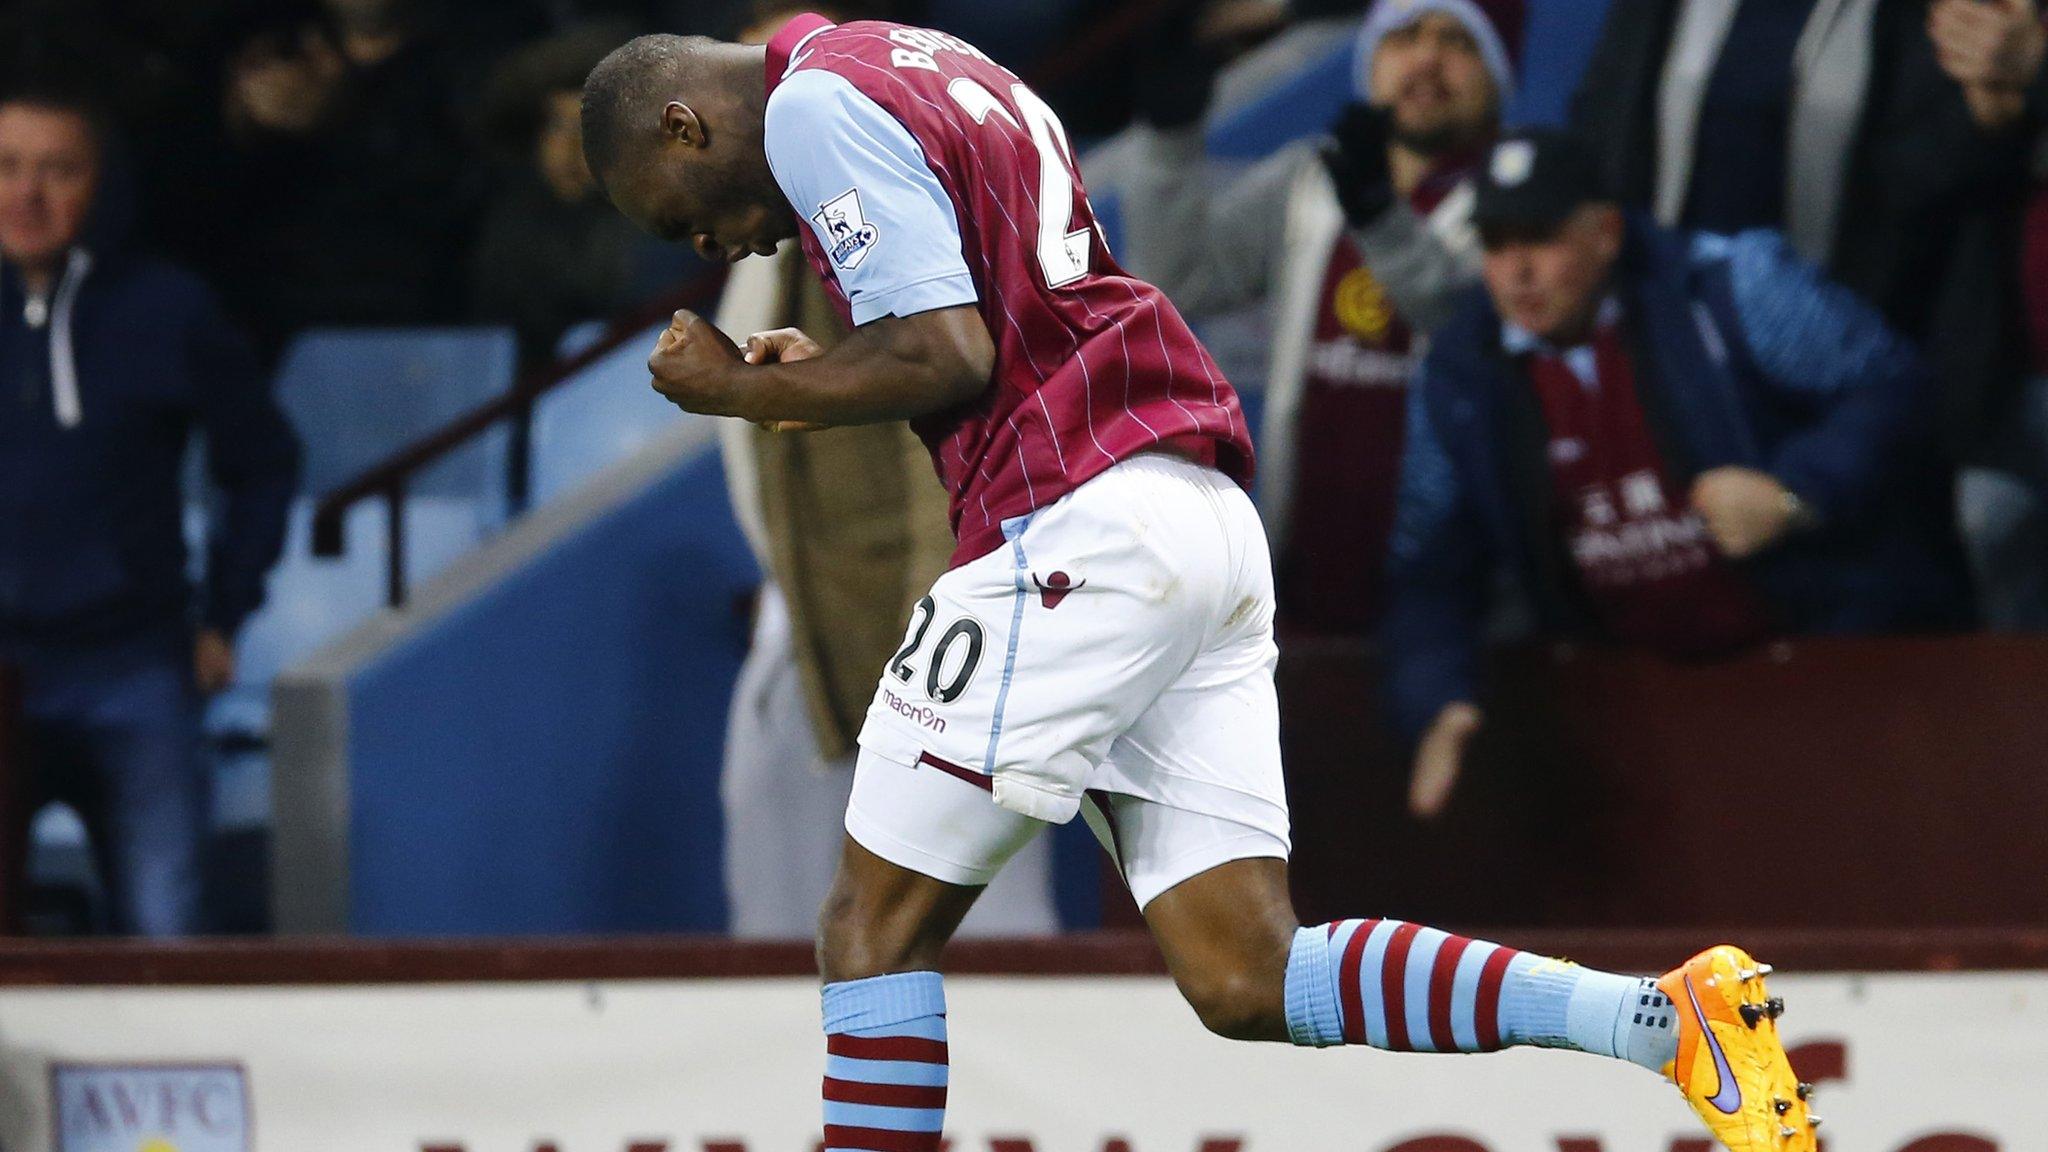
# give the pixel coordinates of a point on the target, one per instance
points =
(1746, 511)
(783, 346)
(691, 365)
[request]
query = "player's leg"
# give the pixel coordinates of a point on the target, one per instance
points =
(1198, 822)
(1214, 892)
(1016, 674)
(922, 842)
(1234, 946)
(1709, 1025)
(1230, 959)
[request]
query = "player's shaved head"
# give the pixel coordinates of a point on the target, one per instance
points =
(672, 129)
(628, 87)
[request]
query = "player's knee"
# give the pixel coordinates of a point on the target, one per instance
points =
(846, 949)
(854, 946)
(1237, 1005)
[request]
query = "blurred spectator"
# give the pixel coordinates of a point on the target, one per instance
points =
(1826, 119)
(1362, 246)
(110, 363)
(1995, 51)
(156, 65)
(850, 527)
(1678, 441)
(552, 252)
(355, 186)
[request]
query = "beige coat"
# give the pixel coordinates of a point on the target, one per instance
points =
(850, 523)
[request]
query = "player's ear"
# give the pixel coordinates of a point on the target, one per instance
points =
(679, 122)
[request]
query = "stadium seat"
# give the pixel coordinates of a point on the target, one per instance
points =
(580, 338)
(356, 397)
(63, 888)
(597, 418)
(315, 599)
(1301, 105)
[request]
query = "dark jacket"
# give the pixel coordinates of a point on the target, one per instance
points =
(1928, 202)
(92, 543)
(1744, 356)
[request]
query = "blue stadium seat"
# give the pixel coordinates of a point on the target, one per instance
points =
(315, 599)
(1301, 106)
(597, 418)
(579, 338)
(357, 396)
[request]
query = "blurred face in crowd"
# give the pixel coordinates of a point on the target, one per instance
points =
(1549, 283)
(1430, 77)
(558, 151)
(49, 168)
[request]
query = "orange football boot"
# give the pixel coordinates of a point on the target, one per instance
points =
(1731, 1064)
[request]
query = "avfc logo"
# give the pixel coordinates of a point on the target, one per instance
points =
(150, 1108)
(847, 234)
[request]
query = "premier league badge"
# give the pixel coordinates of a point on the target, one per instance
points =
(848, 235)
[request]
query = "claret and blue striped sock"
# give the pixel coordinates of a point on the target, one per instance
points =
(885, 1063)
(1406, 988)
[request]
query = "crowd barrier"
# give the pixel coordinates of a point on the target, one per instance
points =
(1826, 783)
(1920, 1042)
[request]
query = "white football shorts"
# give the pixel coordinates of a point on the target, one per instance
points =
(1119, 650)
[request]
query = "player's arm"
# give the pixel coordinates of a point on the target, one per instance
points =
(861, 183)
(891, 368)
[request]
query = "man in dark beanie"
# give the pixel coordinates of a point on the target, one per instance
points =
(1360, 243)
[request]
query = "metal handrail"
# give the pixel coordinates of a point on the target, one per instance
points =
(390, 478)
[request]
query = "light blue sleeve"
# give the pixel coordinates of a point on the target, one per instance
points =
(859, 180)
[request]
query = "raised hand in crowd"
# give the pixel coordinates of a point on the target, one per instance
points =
(1993, 48)
(1440, 758)
(1356, 155)
(1746, 511)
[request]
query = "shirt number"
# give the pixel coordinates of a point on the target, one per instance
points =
(1062, 253)
(947, 676)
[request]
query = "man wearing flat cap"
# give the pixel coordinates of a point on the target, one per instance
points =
(1680, 442)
